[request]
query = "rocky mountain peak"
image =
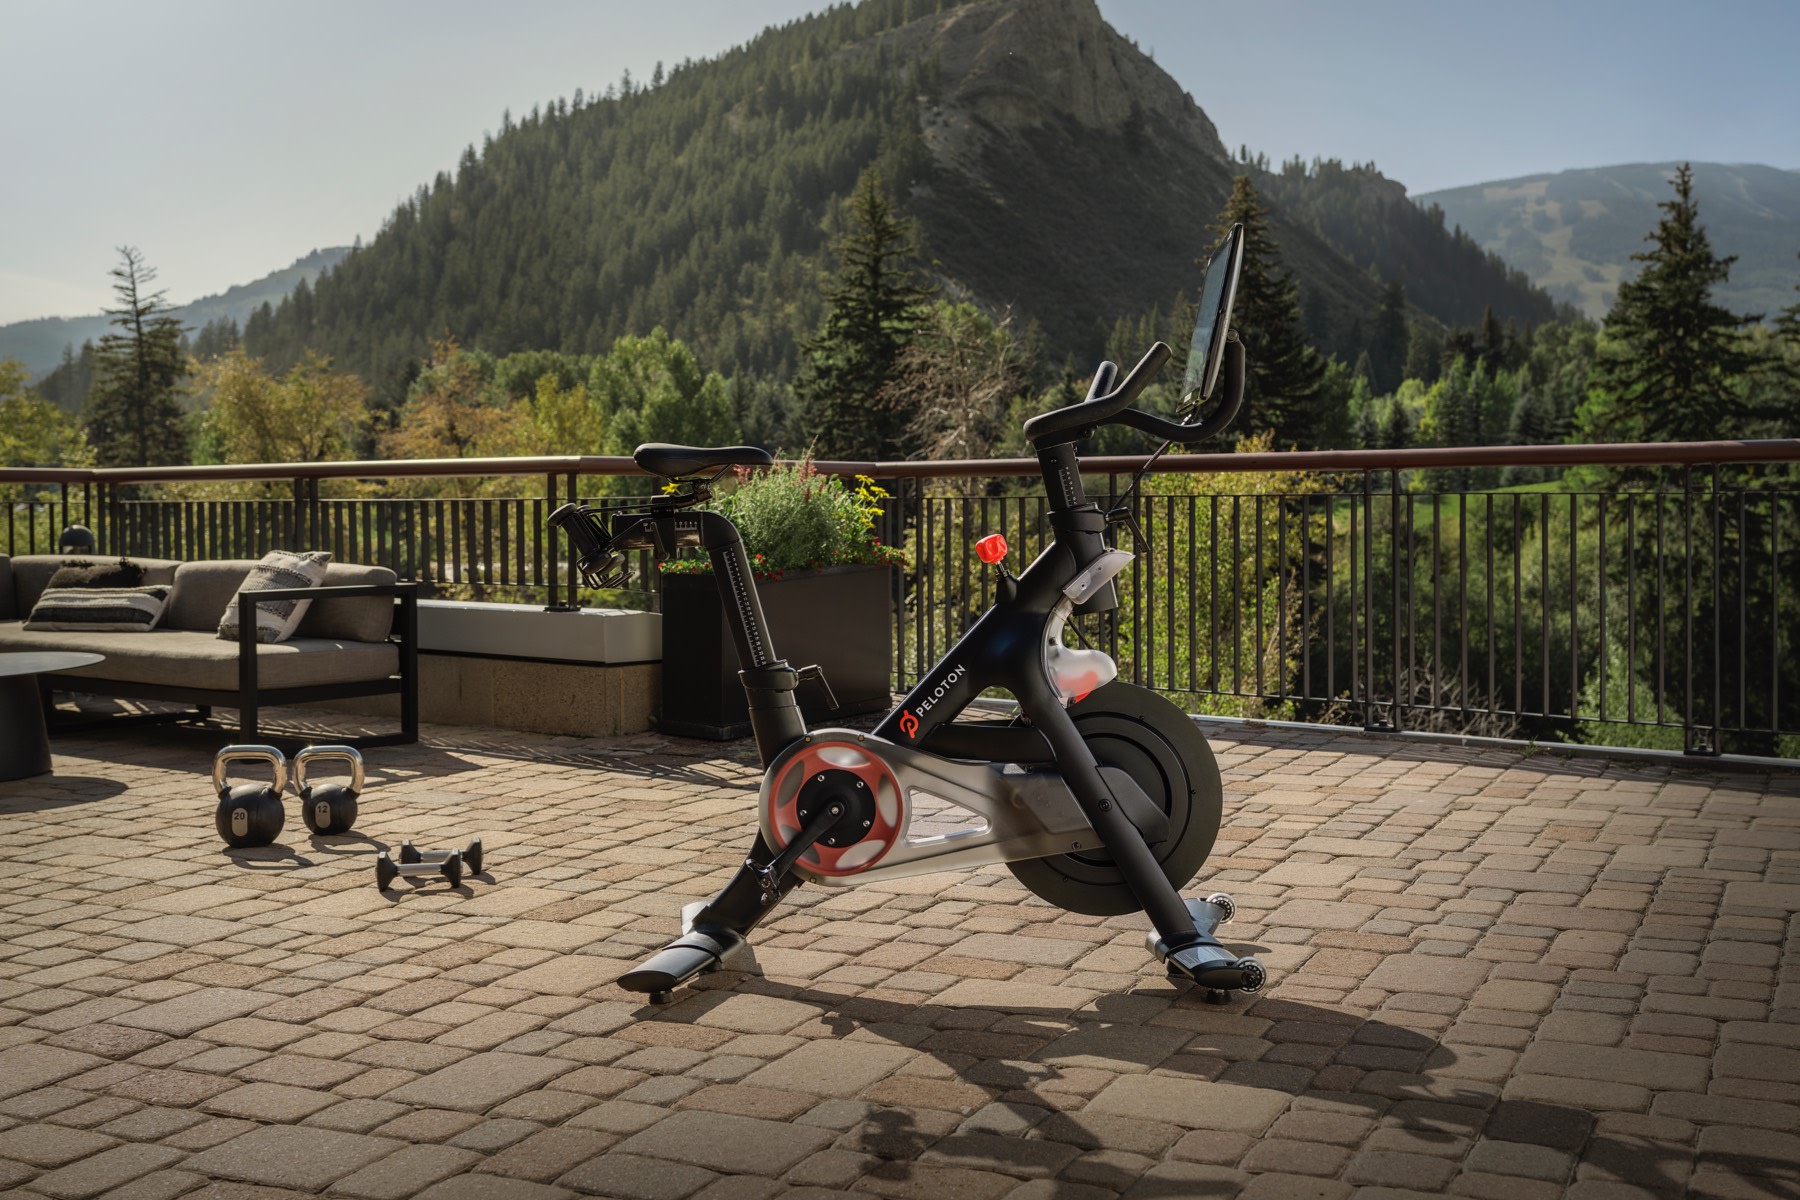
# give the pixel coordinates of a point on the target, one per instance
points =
(1015, 65)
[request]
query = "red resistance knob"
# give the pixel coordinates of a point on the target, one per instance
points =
(991, 549)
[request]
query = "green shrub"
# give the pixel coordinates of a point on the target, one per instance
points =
(794, 518)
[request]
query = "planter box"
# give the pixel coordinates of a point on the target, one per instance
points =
(840, 618)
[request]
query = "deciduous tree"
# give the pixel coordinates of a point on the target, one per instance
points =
(958, 378)
(311, 414)
(33, 431)
(451, 411)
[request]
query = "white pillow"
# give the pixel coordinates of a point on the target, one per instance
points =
(96, 609)
(276, 622)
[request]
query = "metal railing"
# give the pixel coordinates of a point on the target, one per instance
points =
(1392, 589)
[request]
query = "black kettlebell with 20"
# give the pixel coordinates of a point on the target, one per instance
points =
(249, 814)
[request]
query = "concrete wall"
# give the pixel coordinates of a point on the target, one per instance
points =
(514, 666)
(578, 699)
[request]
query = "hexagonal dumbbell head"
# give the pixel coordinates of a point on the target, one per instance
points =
(471, 855)
(387, 870)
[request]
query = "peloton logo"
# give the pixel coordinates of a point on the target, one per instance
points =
(909, 721)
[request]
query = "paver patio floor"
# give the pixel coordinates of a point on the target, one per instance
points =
(1494, 974)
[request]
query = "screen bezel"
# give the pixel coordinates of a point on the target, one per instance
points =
(1231, 252)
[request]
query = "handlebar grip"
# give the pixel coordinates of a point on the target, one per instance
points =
(1104, 375)
(1140, 375)
(1066, 424)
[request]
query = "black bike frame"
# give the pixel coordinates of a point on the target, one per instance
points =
(1004, 649)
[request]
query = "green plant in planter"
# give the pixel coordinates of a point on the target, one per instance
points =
(795, 518)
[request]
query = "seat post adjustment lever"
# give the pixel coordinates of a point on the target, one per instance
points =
(816, 674)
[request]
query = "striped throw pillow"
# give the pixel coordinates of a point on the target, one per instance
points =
(97, 609)
(278, 569)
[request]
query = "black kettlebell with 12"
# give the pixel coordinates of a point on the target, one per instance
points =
(328, 808)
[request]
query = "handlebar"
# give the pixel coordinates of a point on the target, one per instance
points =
(1104, 407)
(1069, 423)
(1187, 432)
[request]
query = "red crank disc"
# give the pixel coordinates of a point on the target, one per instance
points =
(887, 820)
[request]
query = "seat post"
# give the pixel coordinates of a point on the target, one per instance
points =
(768, 680)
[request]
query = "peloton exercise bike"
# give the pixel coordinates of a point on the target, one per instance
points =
(1102, 797)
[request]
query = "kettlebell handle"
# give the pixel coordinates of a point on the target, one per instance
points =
(348, 754)
(269, 754)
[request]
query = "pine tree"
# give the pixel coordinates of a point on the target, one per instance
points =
(874, 308)
(1787, 324)
(133, 415)
(1672, 361)
(1281, 390)
(1778, 391)
(1422, 362)
(1388, 342)
(1396, 427)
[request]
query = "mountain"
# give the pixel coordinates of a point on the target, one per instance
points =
(39, 344)
(1051, 167)
(1575, 231)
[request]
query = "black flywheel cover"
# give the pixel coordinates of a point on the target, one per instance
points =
(1145, 735)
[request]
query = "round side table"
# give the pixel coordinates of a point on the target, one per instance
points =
(24, 742)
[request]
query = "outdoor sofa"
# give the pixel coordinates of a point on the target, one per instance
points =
(359, 637)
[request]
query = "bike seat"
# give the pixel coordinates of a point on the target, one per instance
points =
(678, 462)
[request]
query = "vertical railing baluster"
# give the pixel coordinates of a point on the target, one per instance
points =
(1600, 581)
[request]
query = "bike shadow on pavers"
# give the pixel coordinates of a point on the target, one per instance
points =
(1156, 1095)
(41, 793)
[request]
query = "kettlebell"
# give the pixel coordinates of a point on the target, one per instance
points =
(328, 808)
(249, 814)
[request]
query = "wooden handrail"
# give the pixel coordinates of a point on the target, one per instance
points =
(1774, 450)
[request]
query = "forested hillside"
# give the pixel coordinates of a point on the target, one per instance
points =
(1050, 167)
(1369, 219)
(1575, 232)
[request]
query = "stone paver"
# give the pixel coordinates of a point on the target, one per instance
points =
(477, 1083)
(1493, 974)
(291, 1157)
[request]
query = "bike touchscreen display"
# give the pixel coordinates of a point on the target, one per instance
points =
(1206, 350)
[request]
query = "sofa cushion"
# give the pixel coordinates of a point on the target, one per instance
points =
(196, 659)
(283, 570)
(97, 609)
(351, 618)
(202, 590)
(31, 575)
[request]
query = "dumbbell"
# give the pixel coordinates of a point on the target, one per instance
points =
(249, 814)
(471, 855)
(328, 808)
(387, 870)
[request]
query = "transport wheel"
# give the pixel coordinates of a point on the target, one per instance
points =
(1158, 745)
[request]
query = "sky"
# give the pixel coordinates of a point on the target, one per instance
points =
(225, 140)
